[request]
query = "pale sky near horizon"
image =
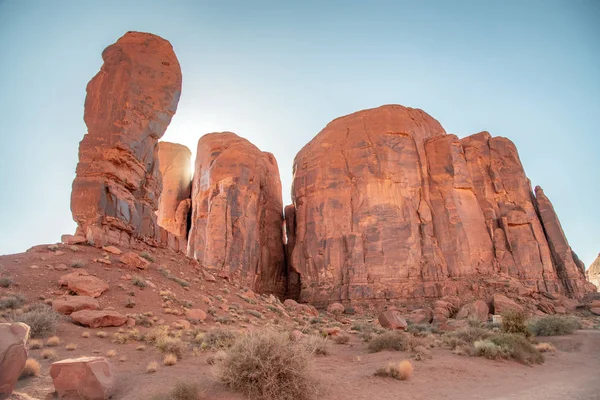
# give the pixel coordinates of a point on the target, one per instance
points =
(276, 72)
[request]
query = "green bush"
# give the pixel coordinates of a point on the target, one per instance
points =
(517, 347)
(514, 322)
(268, 366)
(553, 325)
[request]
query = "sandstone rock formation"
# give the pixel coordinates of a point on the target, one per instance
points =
(13, 355)
(89, 378)
(69, 304)
(237, 220)
(389, 206)
(98, 318)
(175, 203)
(593, 273)
(128, 107)
(84, 284)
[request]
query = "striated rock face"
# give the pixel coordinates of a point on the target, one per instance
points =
(128, 107)
(389, 206)
(237, 221)
(593, 273)
(174, 205)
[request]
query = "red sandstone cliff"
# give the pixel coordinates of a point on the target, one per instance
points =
(388, 206)
(237, 218)
(128, 107)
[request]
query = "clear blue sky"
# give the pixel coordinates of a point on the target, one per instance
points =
(276, 72)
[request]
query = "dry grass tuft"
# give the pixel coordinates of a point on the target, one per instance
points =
(401, 371)
(32, 368)
(152, 367)
(35, 344)
(267, 365)
(170, 359)
(53, 341)
(49, 354)
(141, 347)
(85, 334)
(111, 353)
(122, 359)
(101, 334)
(71, 346)
(545, 348)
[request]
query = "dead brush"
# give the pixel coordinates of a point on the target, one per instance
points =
(268, 366)
(401, 371)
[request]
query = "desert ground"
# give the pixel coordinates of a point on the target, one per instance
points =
(345, 372)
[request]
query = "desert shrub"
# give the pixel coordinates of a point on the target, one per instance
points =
(147, 256)
(49, 354)
(139, 282)
(474, 322)
(181, 282)
(421, 329)
(32, 368)
(254, 313)
(12, 302)
(216, 339)
(42, 321)
(391, 340)
(517, 347)
(545, 348)
(5, 282)
(401, 371)
(71, 346)
(53, 341)
(341, 339)
(152, 367)
(553, 325)
(513, 321)
(267, 365)
(170, 359)
(181, 391)
(316, 345)
(171, 345)
(488, 349)
(35, 344)
(471, 334)
(77, 264)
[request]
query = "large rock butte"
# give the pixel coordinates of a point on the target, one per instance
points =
(175, 203)
(389, 206)
(237, 219)
(128, 107)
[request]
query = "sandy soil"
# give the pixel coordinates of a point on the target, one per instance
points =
(347, 373)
